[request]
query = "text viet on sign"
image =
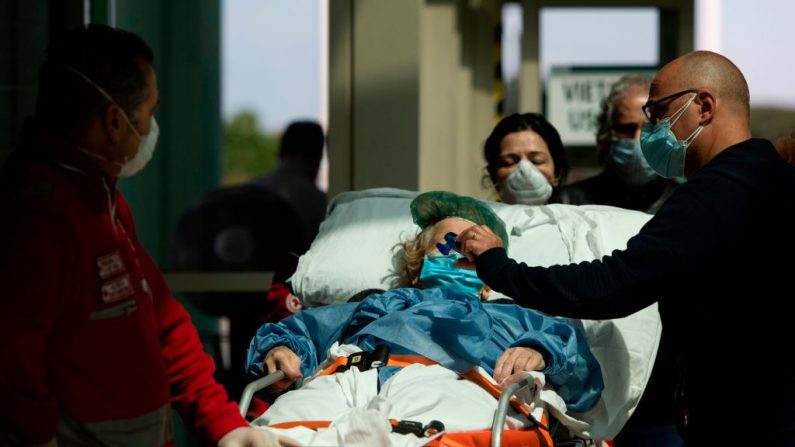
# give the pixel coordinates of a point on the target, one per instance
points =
(573, 97)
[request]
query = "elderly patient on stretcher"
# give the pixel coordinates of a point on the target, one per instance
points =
(444, 326)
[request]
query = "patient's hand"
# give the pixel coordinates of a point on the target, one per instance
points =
(282, 358)
(516, 360)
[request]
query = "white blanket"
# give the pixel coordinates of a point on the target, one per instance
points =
(360, 414)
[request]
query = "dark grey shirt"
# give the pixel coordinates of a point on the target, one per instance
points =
(718, 257)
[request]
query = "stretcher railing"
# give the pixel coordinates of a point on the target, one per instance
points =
(497, 425)
(502, 407)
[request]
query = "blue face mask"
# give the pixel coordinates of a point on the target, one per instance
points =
(663, 151)
(440, 271)
(629, 163)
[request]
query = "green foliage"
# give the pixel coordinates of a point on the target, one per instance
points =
(248, 151)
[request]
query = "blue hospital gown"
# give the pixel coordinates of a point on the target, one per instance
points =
(452, 328)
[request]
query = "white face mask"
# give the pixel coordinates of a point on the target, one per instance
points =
(526, 185)
(146, 146)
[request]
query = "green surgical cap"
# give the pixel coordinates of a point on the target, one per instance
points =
(431, 207)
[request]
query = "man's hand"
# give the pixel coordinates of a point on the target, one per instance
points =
(282, 358)
(477, 239)
(252, 437)
(516, 360)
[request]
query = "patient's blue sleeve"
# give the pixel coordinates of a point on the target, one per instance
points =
(309, 333)
(442, 324)
(570, 365)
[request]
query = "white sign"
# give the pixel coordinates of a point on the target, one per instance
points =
(573, 100)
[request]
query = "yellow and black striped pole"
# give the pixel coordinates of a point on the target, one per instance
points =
(496, 57)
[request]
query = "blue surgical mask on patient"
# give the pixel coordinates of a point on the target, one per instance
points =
(440, 271)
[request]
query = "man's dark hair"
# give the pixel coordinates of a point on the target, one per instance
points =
(110, 57)
(303, 140)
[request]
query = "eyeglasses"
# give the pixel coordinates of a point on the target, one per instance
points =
(652, 108)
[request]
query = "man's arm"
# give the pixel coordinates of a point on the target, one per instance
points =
(669, 251)
(200, 400)
(34, 250)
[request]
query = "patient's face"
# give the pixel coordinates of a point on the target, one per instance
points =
(444, 226)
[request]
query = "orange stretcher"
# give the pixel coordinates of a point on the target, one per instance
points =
(537, 434)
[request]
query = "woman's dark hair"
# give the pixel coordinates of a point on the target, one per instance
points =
(110, 57)
(517, 123)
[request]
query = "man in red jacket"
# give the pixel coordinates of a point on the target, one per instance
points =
(94, 349)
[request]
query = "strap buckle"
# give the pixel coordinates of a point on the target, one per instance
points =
(366, 360)
(416, 428)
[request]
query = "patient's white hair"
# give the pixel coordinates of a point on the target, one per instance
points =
(414, 250)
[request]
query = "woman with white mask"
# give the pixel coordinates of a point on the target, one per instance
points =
(525, 159)
(627, 180)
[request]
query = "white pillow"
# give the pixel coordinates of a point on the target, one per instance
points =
(353, 250)
(355, 247)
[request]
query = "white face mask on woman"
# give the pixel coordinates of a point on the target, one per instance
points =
(146, 146)
(526, 185)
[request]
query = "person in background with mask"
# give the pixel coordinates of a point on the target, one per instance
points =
(710, 258)
(95, 349)
(525, 159)
(627, 180)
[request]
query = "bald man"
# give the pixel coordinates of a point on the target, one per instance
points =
(710, 258)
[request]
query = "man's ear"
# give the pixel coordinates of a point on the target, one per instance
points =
(707, 103)
(114, 122)
(555, 182)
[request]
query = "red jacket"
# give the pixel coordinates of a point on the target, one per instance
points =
(92, 343)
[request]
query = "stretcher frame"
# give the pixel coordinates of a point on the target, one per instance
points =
(497, 425)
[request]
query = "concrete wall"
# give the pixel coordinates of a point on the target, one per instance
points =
(411, 93)
(457, 96)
